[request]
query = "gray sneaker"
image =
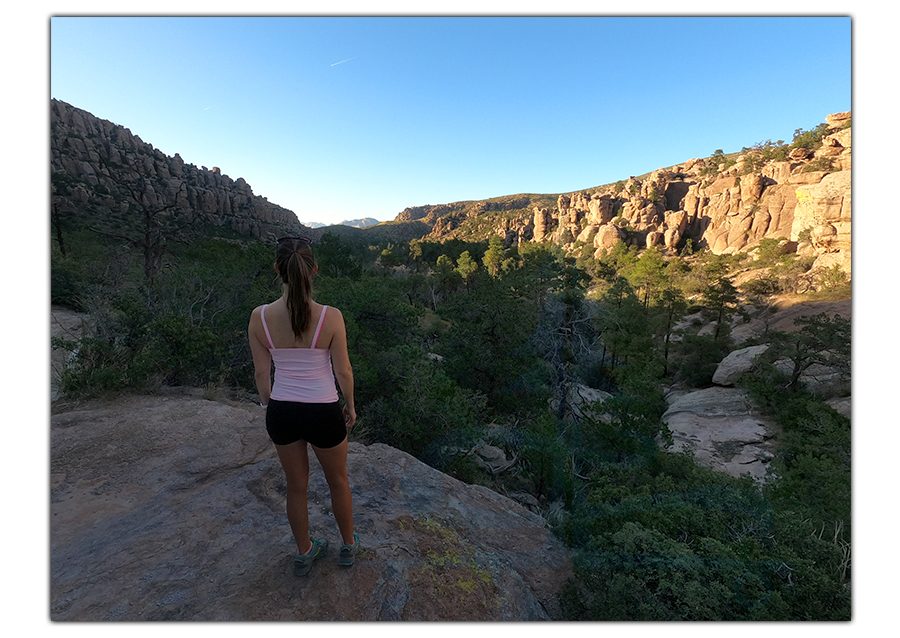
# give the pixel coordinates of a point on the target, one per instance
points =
(349, 552)
(303, 563)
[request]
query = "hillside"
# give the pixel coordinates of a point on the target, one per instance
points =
(797, 192)
(107, 178)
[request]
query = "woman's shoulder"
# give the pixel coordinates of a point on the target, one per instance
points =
(256, 312)
(332, 312)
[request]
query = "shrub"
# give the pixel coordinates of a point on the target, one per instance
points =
(819, 164)
(418, 403)
(697, 357)
(770, 251)
(810, 140)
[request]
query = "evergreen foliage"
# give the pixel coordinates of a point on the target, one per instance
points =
(459, 344)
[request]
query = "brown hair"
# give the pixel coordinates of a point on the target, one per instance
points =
(295, 262)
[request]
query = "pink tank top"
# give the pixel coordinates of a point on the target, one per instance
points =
(302, 374)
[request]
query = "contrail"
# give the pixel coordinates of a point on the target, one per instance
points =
(342, 61)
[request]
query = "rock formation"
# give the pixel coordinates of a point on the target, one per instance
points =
(723, 430)
(719, 424)
(724, 203)
(725, 206)
(97, 166)
(727, 209)
(172, 508)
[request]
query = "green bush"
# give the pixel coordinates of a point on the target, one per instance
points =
(419, 403)
(67, 284)
(697, 357)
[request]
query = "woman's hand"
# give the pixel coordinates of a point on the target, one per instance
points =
(349, 416)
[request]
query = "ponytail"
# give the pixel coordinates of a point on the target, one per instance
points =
(295, 262)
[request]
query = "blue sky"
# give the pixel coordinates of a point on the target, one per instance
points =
(348, 117)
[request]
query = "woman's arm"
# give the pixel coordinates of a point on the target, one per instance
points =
(262, 358)
(343, 371)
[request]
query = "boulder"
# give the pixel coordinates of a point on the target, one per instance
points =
(172, 508)
(841, 405)
(722, 430)
(671, 238)
(736, 364)
(608, 235)
(587, 234)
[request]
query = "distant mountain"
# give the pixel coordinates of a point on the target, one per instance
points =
(360, 223)
(354, 223)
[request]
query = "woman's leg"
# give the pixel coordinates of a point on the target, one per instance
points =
(295, 462)
(334, 465)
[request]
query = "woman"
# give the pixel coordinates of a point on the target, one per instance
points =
(308, 344)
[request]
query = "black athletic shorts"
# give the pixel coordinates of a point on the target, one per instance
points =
(321, 424)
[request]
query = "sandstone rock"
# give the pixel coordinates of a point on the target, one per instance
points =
(736, 364)
(779, 203)
(600, 210)
(722, 430)
(172, 508)
(779, 172)
(827, 201)
(841, 259)
(607, 236)
(677, 221)
(720, 186)
(837, 120)
(734, 211)
(654, 238)
(588, 233)
(808, 177)
(671, 238)
(543, 223)
(831, 147)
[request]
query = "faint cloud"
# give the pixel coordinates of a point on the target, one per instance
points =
(342, 61)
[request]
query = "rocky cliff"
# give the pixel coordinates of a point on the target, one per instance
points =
(99, 169)
(172, 508)
(726, 203)
(800, 193)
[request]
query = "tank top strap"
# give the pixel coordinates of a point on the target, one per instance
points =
(262, 315)
(315, 339)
